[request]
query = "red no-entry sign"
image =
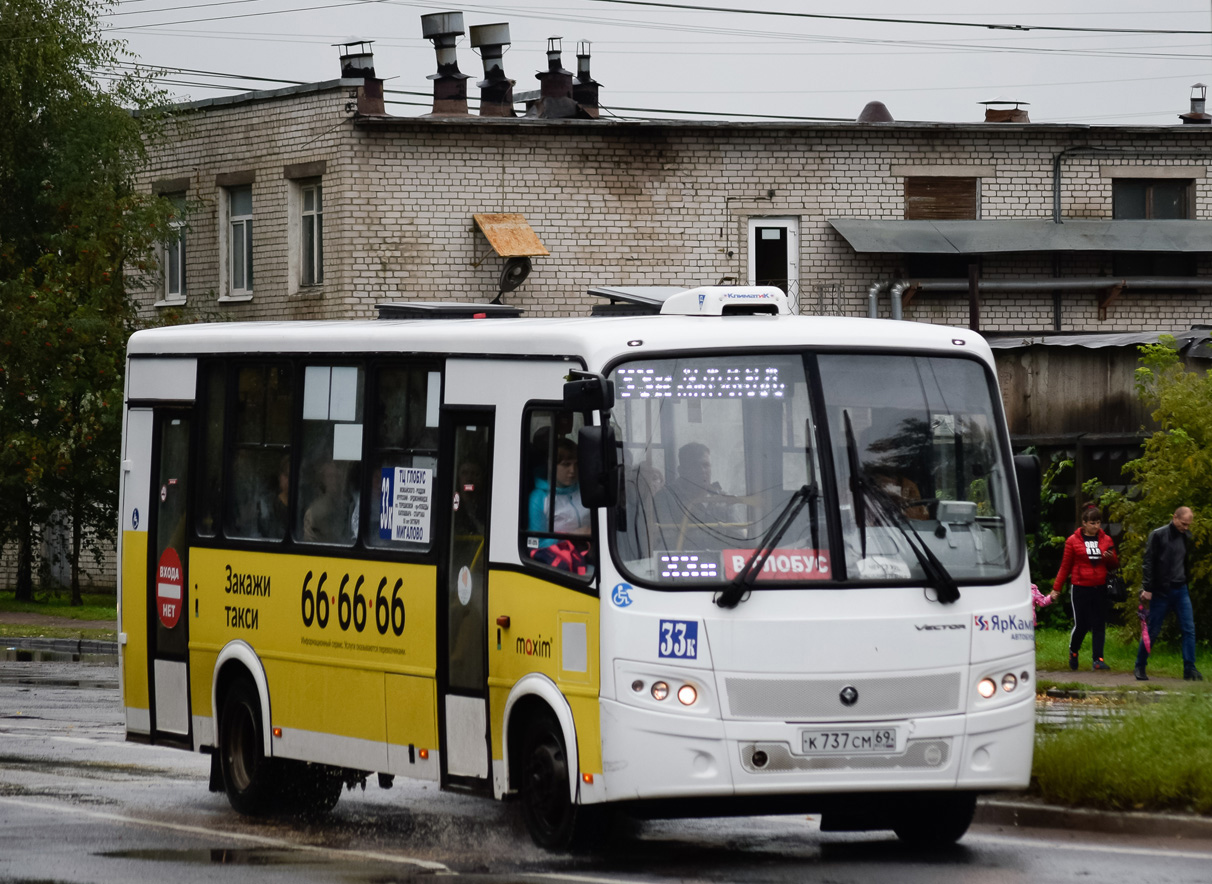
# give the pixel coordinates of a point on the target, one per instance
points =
(169, 588)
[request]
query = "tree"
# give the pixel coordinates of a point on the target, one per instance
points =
(1174, 470)
(71, 225)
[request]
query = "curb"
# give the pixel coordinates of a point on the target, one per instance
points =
(994, 811)
(62, 645)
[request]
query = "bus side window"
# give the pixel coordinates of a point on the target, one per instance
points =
(257, 499)
(207, 502)
(557, 527)
(330, 473)
(403, 457)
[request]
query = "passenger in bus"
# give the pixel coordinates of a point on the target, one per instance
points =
(332, 516)
(569, 515)
(273, 513)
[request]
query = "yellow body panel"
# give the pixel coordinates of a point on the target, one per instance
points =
(542, 617)
(290, 609)
(412, 711)
(135, 692)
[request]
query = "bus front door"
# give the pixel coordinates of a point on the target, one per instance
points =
(168, 596)
(467, 442)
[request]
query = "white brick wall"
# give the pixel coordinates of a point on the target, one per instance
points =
(642, 204)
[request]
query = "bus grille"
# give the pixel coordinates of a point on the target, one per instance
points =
(918, 754)
(783, 699)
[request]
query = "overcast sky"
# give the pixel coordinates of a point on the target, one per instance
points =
(654, 60)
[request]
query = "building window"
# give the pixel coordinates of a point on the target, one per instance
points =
(311, 271)
(1153, 199)
(239, 240)
(931, 198)
(173, 255)
(774, 255)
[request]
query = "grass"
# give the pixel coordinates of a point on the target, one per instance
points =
(1141, 756)
(97, 606)
(1119, 651)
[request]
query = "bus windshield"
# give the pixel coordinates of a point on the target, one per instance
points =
(718, 449)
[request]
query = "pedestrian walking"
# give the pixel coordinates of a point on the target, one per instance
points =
(1089, 555)
(1164, 584)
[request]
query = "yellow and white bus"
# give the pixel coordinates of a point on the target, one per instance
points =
(719, 559)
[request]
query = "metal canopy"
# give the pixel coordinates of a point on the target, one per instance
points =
(1019, 235)
(510, 235)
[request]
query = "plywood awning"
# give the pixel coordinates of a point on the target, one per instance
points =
(510, 235)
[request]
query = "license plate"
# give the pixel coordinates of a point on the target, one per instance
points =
(851, 741)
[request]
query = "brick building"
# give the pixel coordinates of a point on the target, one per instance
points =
(312, 202)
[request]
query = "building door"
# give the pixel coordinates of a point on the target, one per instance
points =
(168, 596)
(467, 442)
(774, 251)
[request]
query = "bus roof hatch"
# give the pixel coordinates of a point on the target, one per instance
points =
(727, 300)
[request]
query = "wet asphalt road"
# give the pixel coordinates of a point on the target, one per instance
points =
(79, 804)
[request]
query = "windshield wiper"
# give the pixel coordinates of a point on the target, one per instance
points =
(889, 513)
(735, 591)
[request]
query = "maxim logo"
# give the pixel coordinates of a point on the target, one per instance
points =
(533, 647)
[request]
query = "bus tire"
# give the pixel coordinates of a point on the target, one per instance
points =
(936, 819)
(309, 789)
(547, 807)
(248, 776)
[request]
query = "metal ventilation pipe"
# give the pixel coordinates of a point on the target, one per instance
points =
(358, 63)
(449, 85)
(585, 87)
(1197, 117)
(357, 60)
(496, 90)
(555, 88)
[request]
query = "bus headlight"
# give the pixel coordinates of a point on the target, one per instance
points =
(1009, 682)
(687, 695)
(986, 688)
(660, 690)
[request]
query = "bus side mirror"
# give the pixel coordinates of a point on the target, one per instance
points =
(588, 392)
(1026, 471)
(598, 466)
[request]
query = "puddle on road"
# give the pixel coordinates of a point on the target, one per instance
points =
(215, 856)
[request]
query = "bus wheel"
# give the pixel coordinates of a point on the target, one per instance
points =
(309, 789)
(936, 819)
(547, 807)
(248, 776)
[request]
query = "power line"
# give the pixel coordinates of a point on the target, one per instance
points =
(898, 21)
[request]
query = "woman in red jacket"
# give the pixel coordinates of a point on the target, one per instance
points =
(1089, 555)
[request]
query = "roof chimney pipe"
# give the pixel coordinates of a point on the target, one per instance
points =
(555, 88)
(449, 85)
(496, 90)
(1197, 117)
(1014, 114)
(585, 87)
(358, 63)
(875, 112)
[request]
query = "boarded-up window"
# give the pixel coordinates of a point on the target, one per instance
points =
(942, 199)
(1151, 198)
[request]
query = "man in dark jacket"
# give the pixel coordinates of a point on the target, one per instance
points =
(1164, 585)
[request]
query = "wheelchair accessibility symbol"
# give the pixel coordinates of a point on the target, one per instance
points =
(621, 595)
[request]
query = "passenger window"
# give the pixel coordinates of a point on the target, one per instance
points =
(330, 473)
(404, 457)
(207, 513)
(557, 528)
(258, 497)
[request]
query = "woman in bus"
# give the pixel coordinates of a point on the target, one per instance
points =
(561, 513)
(1089, 555)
